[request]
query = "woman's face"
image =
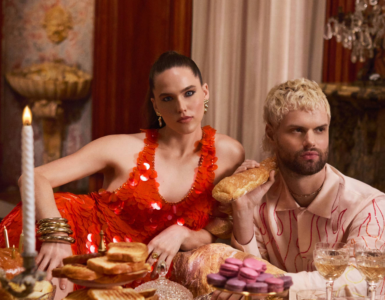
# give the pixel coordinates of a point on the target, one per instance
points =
(179, 98)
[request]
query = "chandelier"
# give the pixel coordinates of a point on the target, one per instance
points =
(362, 31)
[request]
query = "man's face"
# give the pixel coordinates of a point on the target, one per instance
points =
(301, 141)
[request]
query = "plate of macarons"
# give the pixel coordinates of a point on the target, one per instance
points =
(248, 277)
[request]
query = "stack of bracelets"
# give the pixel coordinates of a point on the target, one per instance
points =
(49, 227)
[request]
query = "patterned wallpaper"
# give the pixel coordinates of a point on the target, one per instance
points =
(25, 42)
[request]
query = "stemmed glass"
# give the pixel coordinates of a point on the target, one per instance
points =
(331, 261)
(371, 263)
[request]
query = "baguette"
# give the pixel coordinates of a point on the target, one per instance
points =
(237, 185)
(103, 265)
(129, 252)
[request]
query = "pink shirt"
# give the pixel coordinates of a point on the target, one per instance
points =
(345, 210)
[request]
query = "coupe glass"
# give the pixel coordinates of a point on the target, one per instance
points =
(331, 261)
(371, 263)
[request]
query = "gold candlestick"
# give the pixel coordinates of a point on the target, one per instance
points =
(21, 241)
(6, 237)
(102, 246)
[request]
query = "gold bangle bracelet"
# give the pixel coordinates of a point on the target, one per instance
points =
(54, 224)
(57, 238)
(52, 220)
(50, 230)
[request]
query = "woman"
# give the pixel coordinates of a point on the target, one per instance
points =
(154, 181)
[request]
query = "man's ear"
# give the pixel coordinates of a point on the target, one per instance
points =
(269, 131)
(206, 92)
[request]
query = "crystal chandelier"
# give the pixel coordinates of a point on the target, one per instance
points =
(362, 31)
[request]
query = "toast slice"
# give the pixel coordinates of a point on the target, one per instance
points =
(123, 294)
(80, 272)
(78, 295)
(103, 265)
(127, 277)
(129, 252)
(80, 259)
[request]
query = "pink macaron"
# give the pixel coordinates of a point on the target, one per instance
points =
(257, 287)
(262, 277)
(254, 264)
(216, 280)
(234, 261)
(275, 284)
(228, 270)
(235, 285)
(247, 275)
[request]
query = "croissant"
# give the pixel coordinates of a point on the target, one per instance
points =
(237, 185)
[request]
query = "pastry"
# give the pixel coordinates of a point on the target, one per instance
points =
(122, 294)
(80, 272)
(129, 252)
(262, 277)
(257, 287)
(235, 285)
(11, 266)
(216, 280)
(287, 281)
(254, 264)
(239, 184)
(228, 270)
(80, 259)
(234, 261)
(275, 284)
(103, 265)
(247, 275)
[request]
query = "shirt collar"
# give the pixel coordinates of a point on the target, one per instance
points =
(321, 205)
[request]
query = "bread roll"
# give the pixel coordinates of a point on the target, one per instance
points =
(239, 184)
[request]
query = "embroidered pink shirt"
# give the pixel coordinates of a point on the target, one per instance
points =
(345, 210)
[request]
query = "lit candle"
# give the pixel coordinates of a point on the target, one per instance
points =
(28, 185)
(6, 237)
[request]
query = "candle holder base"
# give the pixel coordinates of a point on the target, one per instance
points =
(27, 278)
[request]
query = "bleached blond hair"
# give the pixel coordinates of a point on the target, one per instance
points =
(298, 94)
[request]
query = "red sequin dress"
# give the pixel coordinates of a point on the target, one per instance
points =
(136, 211)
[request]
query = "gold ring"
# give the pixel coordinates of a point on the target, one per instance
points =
(155, 255)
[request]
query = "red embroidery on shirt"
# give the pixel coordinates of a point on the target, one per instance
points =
(359, 230)
(375, 215)
(275, 218)
(326, 231)
(262, 216)
(383, 219)
(319, 236)
(287, 251)
(339, 223)
(311, 236)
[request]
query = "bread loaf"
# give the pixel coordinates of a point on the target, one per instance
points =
(239, 184)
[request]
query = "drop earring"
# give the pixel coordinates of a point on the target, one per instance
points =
(159, 119)
(206, 102)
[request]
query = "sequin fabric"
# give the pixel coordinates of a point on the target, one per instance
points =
(136, 211)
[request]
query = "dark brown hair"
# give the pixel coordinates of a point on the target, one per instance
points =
(165, 62)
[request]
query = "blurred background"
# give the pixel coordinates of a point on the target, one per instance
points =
(82, 65)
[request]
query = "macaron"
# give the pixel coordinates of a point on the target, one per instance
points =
(257, 287)
(247, 275)
(235, 285)
(228, 270)
(234, 261)
(287, 281)
(262, 277)
(257, 265)
(216, 280)
(275, 284)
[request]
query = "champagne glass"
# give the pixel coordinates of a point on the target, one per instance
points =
(371, 263)
(331, 261)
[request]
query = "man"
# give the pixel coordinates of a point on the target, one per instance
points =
(308, 201)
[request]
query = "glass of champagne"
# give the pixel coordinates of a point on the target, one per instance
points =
(331, 261)
(371, 263)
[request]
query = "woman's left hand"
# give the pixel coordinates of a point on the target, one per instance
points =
(166, 244)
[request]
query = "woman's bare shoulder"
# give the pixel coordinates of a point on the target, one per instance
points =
(117, 143)
(227, 147)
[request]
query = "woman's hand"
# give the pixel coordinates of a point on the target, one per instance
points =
(218, 295)
(50, 257)
(167, 244)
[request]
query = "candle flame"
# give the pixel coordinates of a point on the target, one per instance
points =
(27, 116)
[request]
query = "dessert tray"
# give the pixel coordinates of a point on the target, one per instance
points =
(249, 296)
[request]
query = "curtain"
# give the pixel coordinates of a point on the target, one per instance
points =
(244, 48)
